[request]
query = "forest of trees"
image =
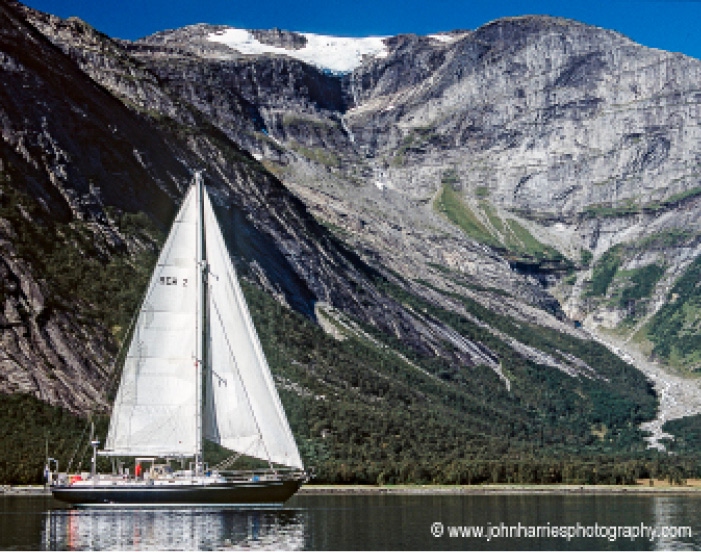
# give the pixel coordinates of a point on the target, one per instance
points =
(368, 409)
(361, 413)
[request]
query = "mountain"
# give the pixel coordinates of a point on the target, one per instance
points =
(554, 143)
(566, 149)
(431, 231)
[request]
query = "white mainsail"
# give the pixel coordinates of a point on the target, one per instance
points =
(155, 409)
(243, 411)
(158, 404)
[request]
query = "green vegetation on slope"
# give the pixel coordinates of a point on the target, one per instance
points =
(28, 427)
(528, 245)
(362, 414)
(586, 257)
(687, 434)
(459, 213)
(506, 235)
(675, 330)
(318, 155)
(360, 411)
(639, 283)
(629, 286)
(676, 327)
(615, 405)
(631, 208)
(416, 141)
(605, 270)
(70, 258)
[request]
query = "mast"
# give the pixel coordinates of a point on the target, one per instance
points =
(201, 323)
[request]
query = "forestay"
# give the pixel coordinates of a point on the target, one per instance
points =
(242, 408)
(155, 408)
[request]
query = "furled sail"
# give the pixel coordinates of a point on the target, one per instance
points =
(155, 409)
(242, 408)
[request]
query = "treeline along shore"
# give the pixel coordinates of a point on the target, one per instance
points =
(31, 425)
(660, 487)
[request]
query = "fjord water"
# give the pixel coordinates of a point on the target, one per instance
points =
(350, 522)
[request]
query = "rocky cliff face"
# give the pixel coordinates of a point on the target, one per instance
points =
(585, 138)
(568, 150)
(560, 141)
(89, 123)
(472, 179)
(50, 113)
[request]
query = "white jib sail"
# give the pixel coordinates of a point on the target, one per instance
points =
(243, 411)
(155, 409)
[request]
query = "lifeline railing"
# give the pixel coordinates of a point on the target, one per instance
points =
(279, 474)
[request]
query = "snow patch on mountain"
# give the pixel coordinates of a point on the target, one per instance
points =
(331, 53)
(447, 38)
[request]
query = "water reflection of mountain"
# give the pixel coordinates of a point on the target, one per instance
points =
(173, 529)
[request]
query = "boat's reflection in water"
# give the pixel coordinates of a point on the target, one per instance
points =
(173, 529)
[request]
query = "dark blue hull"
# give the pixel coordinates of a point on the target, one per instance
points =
(224, 494)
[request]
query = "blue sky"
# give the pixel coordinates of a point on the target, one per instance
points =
(667, 24)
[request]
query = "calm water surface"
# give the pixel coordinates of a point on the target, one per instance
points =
(361, 522)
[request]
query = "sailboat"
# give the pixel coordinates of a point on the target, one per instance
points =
(194, 370)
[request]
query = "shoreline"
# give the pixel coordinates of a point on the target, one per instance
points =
(497, 489)
(24, 490)
(502, 489)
